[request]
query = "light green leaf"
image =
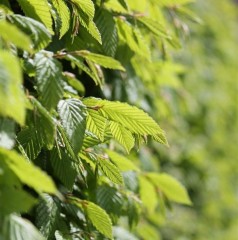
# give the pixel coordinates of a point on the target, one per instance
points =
(38, 33)
(12, 99)
(49, 79)
(111, 171)
(18, 228)
(96, 123)
(132, 118)
(171, 187)
(97, 216)
(156, 28)
(64, 14)
(86, 6)
(73, 117)
(122, 135)
(132, 36)
(148, 194)
(123, 163)
(38, 10)
(79, 63)
(27, 172)
(11, 33)
(102, 60)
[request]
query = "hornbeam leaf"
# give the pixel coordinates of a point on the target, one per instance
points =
(132, 118)
(73, 116)
(99, 218)
(111, 171)
(102, 60)
(123, 163)
(38, 33)
(47, 214)
(12, 100)
(64, 15)
(49, 79)
(38, 10)
(122, 135)
(18, 228)
(11, 33)
(96, 123)
(170, 186)
(27, 172)
(86, 6)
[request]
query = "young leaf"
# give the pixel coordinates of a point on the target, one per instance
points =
(86, 6)
(122, 135)
(96, 215)
(96, 123)
(102, 60)
(73, 117)
(148, 194)
(38, 10)
(173, 189)
(64, 14)
(110, 170)
(122, 162)
(12, 100)
(49, 79)
(136, 120)
(28, 173)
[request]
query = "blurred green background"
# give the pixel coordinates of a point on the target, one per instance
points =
(202, 126)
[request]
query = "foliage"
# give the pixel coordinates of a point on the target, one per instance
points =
(83, 84)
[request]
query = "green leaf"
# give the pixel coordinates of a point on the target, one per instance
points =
(47, 214)
(31, 140)
(122, 135)
(111, 171)
(28, 173)
(7, 133)
(49, 79)
(45, 124)
(99, 218)
(148, 194)
(107, 27)
(96, 123)
(73, 117)
(17, 228)
(102, 60)
(123, 163)
(153, 26)
(173, 189)
(38, 33)
(86, 6)
(38, 10)
(63, 167)
(132, 36)
(79, 63)
(21, 202)
(64, 14)
(12, 99)
(11, 33)
(132, 118)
